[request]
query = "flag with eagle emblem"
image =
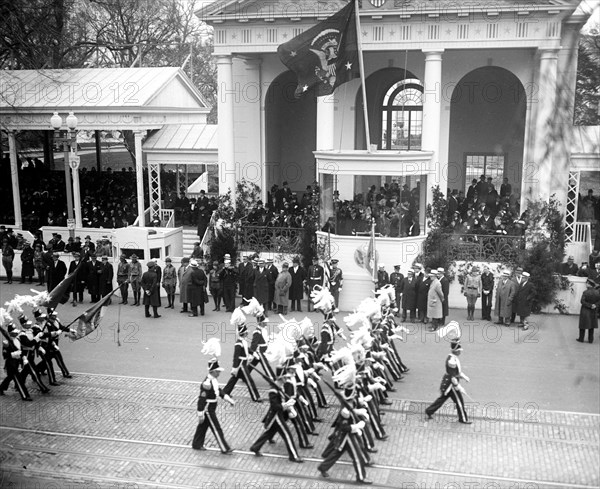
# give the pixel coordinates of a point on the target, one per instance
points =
(326, 55)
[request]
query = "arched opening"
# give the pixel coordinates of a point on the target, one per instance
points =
(487, 128)
(290, 126)
(379, 87)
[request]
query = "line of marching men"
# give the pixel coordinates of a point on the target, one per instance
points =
(30, 350)
(293, 362)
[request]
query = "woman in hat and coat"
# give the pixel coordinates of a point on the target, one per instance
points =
(283, 282)
(588, 315)
(196, 289)
(151, 288)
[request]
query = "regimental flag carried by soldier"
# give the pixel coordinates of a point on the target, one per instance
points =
(371, 263)
(90, 319)
(326, 55)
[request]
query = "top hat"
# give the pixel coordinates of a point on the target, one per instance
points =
(334, 261)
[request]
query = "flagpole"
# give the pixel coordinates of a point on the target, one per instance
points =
(362, 75)
(374, 250)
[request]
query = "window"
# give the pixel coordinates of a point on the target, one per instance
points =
(402, 116)
(488, 164)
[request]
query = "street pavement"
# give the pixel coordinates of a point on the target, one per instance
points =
(127, 417)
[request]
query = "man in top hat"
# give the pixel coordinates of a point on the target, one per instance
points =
(568, 268)
(298, 275)
(242, 270)
(518, 280)
(94, 270)
(207, 409)
(106, 277)
(316, 276)
(135, 278)
(450, 385)
(196, 290)
(13, 358)
(27, 268)
(229, 277)
(445, 283)
(408, 289)
(505, 294)
(336, 282)
(261, 284)
(80, 281)
(396, 279)
(151, 287)
(123, 278)
(56, 272)
(273, 274)
(487, 288)
(523, 300)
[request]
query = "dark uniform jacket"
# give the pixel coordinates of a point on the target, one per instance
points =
(209, 390)
(409, 293)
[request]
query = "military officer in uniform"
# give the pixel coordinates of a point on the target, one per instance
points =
(396, 279)
(123, 278)
(135, 279)
(450, 386)
(207, 407)
(316, 275)
(336, 282)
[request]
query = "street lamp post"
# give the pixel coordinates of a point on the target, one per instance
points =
(71, 160)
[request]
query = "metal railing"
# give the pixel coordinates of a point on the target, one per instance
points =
(167, 218)
(265, 239)
(482, 247)
(582, 233)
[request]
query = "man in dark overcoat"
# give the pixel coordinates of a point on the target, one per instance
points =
(151, 288)
(297, 289)
(196, 289)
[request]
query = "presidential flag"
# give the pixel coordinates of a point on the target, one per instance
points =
(326, 55)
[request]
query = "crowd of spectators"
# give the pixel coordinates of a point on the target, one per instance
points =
(108, 199)
(394, 209)
(485, 209)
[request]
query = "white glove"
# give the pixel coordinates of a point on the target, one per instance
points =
(357, 427)
(55, 333)
(235, 370)
(72, 331)
(256, 355)
(16, 354)
(42, 351)
(25, 361)
(228, 398)
(200, 416)
(56, 348)
(362, 412)
(368, 398)
(465, 377)
(312, 383)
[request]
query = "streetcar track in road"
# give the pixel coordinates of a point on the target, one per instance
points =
(162, 462)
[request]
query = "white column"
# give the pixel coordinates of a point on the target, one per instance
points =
(226, 98)
(537, 174)
(14, 173)
(432, 117)
(253, 101)
(77, 197)
(325, 122)
(139, 177)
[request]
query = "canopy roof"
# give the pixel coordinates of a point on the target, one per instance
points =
(585, 148)
(185, 144)
(101, 98)
(183, 138)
